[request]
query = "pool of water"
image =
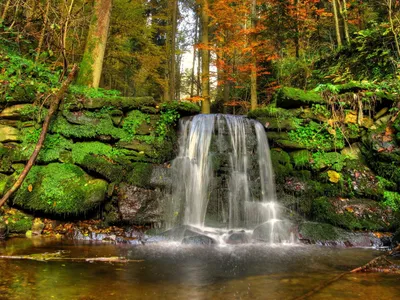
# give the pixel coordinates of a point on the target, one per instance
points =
(172, 271)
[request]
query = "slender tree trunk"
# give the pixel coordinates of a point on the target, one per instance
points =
(389, 4)
(254, 100)
(297, 31)
(43, 32)
(205, 65)
(194, 58)
(5, 10)
(53, 108)
(64, 39)
(343, 13)
(92, 62)
(337, 25)
(172, 71)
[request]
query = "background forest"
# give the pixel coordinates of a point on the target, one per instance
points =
(243, 49)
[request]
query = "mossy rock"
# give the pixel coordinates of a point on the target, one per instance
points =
(332, 160)
(353, 214)
(17, 221)
(288, 97)
(124, 103)
(281, 164)
(272, 123)
(184, 108)
(277, 135)
(60, 189)
(301, 159)
(21, 94)
(9, 134)
(16, 111)
(320, 232)
(271, 111)
(3, 183)
(140, 174)
(104, 126)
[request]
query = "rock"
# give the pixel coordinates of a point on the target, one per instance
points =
(181, 232)
(9, 134)
(14, 111)
(381, 113)
(80, 118)
(123, 103)
(301, 158)
(60, 189)
(136, 146)
(353, 152)
(3, 230)
(288, 97)
(37, 227)
(161, 176)
(274, 135)
(17, 221)
(396, 238)
(199, 240)
(235, 238)
(139, 205)
(274, 231)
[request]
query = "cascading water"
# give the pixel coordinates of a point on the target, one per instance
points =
(223, 177)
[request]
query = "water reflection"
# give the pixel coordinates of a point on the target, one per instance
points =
(170, 271)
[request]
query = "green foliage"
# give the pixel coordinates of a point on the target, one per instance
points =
(270, 111)
(392, 200)
(133, 121)
(318, 109)
(317, 137)
(81, 150)
(167, 119)
(22, 78)
(289, 97)
(17, 221)
(301, 158)
(332, 160)
(182, 107)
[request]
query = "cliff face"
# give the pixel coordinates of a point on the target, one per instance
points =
(336, 158)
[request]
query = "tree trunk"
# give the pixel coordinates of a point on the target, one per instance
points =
(343, 13)
(205, 65)
(43, 32)
(254, 100)
(389, 4)
(194, 57)
(92, 62)
(5, 10)
(337, 26)
(172, 71)
(53, 108)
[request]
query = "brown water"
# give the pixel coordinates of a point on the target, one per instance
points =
(169, 271)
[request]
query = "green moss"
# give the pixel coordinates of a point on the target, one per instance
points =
(60, 189)
(321, 232)
(270, 111)
(133, 121)
(184, 108)
(281, 165)
(3, 183)
(124, 103)
(17, 221)
(81, 150)
(288, 97)
(104, 126)
(140, 175)
(392, 200)
(301, 159)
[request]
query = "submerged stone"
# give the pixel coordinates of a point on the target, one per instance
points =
(273, 231)
(240, 237)
(199, 240)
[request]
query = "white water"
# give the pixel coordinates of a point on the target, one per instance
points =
(244, 144)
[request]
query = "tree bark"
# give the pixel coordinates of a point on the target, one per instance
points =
(205, 61)
(343, 13)
(254, 100)
(43, 32)
(53, 108)
(389, 4)
(5, 10)
(92, 63)
(172, 71)
(194, 57)
(337, 25)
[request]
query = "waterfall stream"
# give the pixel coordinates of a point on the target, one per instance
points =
(223, 177)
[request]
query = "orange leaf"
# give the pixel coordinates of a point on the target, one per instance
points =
(30, 188)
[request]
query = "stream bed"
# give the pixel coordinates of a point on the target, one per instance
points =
(172, 271)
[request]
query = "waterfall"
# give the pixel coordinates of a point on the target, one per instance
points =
(223, 176)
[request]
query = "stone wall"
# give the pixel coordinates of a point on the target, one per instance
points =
(336, 163)
(99, 158)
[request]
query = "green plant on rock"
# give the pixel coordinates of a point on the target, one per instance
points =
(133, 121)
(167, 119)
(88, 92)
(332, 160)
(391, 200)
(322, 110)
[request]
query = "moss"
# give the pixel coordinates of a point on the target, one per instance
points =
(140, 175)
(104, 127)
(288, 97)
(281, 164)
(124, 103)
(17, 221)
(271, 111)
(3, 183)
(301, 159)
(184, 108)
(319, 232)
(60, 189)
(133, 122)
(272, 123)
(323, 210)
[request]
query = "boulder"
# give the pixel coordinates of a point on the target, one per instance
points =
(9, 134)
(288, 97)
(181, 232)
(123, 103)
(14, 111)
(238, 237)
(60, 189)
(199, 240)
(139, 205)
